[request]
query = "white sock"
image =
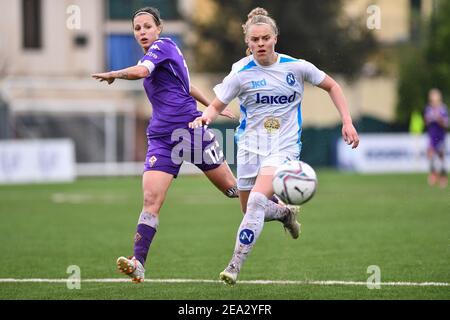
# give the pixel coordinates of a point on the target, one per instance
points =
(440, 167)
(250, 228)
(274, 211)
(434, 163)
(149, 219)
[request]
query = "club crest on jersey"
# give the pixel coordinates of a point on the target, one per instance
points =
(246, 236)
(290, 79)
(152, 161)
(275, 99)
(272, 124)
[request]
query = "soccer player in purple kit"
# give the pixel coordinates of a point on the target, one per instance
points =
(167, 85)
(437, 122)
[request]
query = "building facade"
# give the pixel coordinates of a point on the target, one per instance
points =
(49, 48)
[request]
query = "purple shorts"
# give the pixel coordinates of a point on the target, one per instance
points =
(197, 146)
(437, 144)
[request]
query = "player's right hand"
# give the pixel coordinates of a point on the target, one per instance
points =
(104, 76)
(350, 135)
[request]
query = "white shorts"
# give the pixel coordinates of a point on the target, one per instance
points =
(250, 163)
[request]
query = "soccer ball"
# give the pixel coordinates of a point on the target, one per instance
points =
(295, 182)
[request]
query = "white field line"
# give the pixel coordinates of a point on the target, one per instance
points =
(261, 282)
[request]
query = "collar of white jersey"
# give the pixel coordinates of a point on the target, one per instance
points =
(269, 66)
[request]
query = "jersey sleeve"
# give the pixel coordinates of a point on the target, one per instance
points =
(427, 115)
(310, 73)
(156, 55)
(445, 116)
(229, 88)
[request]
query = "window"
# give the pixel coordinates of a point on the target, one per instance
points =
(416, 4)
(124, 9)
(32, 24)
(123, 50)
(415, 25)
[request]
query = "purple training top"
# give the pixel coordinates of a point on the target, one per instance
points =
(435, 131)
(168, 88)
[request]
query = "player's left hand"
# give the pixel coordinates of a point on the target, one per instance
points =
(350, 135)
(199, 122)
(105, 76)
(227, 113)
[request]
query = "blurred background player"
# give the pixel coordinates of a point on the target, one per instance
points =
(172, 96)
(437, 122)
(269, 86)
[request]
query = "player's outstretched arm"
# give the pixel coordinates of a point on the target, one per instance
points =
(209, 115)
(228, 113)
(131, 73)
(349, 132)
(443, 122)
(198, 95)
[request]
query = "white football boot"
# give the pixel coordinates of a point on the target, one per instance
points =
(132, 268)
(229, 275)
(290, 222)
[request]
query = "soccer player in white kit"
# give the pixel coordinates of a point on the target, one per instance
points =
(270, 87)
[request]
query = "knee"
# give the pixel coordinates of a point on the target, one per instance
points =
(256, 201)
(256, 207)
(152, 201)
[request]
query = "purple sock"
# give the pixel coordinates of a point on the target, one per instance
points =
(142, 240)
(274, 199)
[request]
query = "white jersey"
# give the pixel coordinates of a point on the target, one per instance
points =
(270, 100)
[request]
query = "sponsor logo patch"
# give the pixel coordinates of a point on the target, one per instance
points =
(275, 99)
(259, 84)
(152, 54)
(155, 46)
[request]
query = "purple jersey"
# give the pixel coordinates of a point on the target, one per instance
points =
(168, 89)
(435, 131)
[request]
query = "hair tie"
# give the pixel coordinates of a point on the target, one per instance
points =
(142, 12)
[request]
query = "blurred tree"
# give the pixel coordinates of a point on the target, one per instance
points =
(311, 30)
(413, 84)
(426, 66)
(437, 52)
